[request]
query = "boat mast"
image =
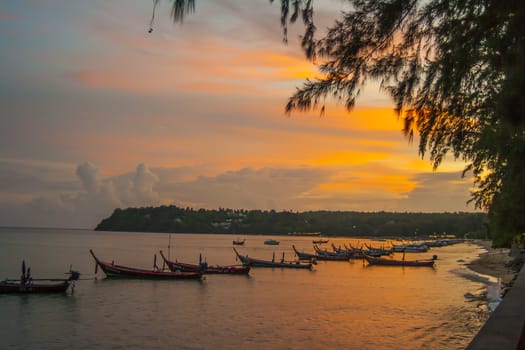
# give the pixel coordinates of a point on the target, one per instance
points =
(169, 246)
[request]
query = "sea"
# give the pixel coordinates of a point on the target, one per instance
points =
(337, 305)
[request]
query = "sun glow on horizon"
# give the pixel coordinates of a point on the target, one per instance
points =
(196, 112)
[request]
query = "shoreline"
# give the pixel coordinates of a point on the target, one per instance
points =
(505, 326)
(495, 262)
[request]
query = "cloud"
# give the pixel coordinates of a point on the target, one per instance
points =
(88, 174)
(362, 187)
(80, 206)
(266, 188)
(439, 191)
(104, 80)
(135, 189)
(27, 177)
(143, 182)
(371, 187)
(204, 100)
(233, 70)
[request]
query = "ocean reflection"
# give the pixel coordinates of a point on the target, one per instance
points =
(338, 305)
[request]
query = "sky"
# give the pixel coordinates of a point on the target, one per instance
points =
(96, 114)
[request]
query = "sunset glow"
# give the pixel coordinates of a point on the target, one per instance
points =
(198, 109)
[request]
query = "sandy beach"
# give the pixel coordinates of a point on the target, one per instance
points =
(494, 262)
(503, 329)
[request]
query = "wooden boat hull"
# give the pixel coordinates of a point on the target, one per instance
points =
(391, 262)
(15, 287)
(206, 269)
(247, 261)
(117, 271)
(29, 285)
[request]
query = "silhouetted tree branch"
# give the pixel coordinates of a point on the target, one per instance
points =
(455, 71)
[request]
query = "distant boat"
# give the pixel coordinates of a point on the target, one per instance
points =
(377, 252)
(247, 261)
(320, 241)
(320, 255)
(205, 268)
(410, 248)
(271, 242)
(299, 233)
(28, 285)
(391, 262)
(119, 271)
(238, 241)
(36, 286)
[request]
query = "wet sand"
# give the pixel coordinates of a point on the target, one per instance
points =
(494, 262)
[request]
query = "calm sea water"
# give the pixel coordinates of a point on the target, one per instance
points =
(339, 305)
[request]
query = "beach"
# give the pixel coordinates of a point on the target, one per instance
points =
(504, 328)
(495, 262)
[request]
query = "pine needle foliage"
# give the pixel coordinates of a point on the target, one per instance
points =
(455, 70)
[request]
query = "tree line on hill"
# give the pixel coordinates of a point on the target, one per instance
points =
(174, 219)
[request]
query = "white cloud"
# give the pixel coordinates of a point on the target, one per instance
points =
(88, 174)
(83, 207)
(143, 182)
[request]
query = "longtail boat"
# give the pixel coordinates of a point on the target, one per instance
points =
(247, 261)
(307, 234)
(205, 268)
(28, 285)
(271, 242)
(392, 262)
(377, 252)
(303, 255)
(238, 242)
(34, 286)
(338, 253)
(113, 270)
(317, 256)
(410, 248)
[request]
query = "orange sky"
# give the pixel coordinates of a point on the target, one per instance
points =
(96, 114)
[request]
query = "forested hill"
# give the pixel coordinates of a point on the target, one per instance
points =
(330, 223)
